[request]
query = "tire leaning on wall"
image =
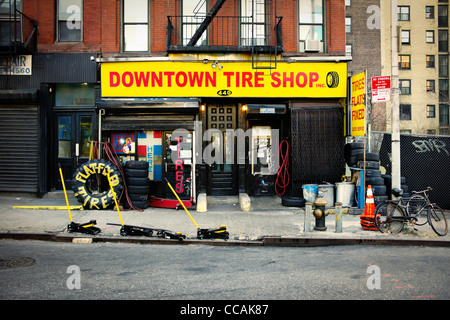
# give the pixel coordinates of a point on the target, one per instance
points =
(94, 173)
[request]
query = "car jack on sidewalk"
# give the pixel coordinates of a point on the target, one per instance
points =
(218, 233)
(128, 230)
(87, 227)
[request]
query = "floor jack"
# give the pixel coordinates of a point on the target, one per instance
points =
(217, 233)
(128, 230)
(87, 227)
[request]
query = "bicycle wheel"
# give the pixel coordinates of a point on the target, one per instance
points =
(389, 218)
(438, 221)
(415, 207)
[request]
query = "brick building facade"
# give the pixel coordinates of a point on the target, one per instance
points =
(275, 67)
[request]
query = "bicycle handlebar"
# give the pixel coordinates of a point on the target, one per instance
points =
(423, 191)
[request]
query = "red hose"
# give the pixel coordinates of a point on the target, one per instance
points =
(283, 173)
(108, 152)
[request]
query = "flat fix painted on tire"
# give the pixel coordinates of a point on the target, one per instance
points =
(91, 187)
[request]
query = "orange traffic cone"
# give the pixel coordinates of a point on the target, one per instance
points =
(367, 220)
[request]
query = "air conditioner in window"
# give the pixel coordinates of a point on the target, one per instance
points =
(312, 45)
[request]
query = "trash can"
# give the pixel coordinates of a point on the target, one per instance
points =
(310, 192)
(327, 191)
(345, 193)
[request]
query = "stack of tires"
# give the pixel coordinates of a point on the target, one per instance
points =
(351, 150)
(354, 157)
(388, 183)
(373, 175)
(137, 183)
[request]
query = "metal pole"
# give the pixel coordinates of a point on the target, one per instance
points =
(395, 107)
(100, 113)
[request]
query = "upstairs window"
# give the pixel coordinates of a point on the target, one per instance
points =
(135, 30)
(430, 61)
(443, 40)
(403, 13)
(429, 12)
(404, 62)
(311, 26)
(406, 37)
(443, 66)
(70, 20)
(193, 12)
(253, 22)
(429, 36)
(405, 87)
(9, 27)
(443, 16)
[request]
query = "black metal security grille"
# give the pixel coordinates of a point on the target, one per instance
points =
(317, 145)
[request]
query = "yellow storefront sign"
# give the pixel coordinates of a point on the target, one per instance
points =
(358, 103)
(235, 79)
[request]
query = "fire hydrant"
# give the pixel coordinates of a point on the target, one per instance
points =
(320, 213)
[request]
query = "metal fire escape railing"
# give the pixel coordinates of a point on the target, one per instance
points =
(21, 32)
(216, 33)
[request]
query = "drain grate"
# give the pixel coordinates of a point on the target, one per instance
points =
(15, 262)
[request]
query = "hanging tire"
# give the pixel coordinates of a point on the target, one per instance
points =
(91, 187)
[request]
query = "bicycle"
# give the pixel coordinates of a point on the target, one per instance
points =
(392, 215)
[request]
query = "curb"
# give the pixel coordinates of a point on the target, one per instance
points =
(272, 241)
(55, 237)
(316, 242)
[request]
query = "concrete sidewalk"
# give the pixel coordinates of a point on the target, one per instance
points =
(267, 223)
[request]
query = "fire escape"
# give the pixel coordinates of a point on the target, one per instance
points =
(18, 33)
(256, 31)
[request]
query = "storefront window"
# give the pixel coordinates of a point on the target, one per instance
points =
(86, 135)
(75, 94)
(64, 136)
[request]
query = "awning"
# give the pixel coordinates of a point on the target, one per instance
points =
(146, 106)
(266, 109)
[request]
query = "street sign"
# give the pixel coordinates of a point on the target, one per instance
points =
(381, 89)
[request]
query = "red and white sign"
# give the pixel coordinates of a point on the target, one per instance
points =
(381, 89)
